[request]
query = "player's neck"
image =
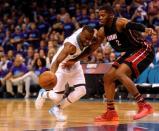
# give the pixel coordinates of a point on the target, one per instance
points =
(110, 22)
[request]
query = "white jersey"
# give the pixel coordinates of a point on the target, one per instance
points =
(73, 40)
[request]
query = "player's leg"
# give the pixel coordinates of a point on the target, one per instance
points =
(77, 81)
(56, 95)
(134, 65)
(109, 87)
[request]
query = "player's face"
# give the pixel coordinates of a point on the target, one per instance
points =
(103, 17)
(86, 37)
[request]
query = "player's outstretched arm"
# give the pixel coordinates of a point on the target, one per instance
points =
(124, 23)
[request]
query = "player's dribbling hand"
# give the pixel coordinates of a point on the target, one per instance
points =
(68, 64)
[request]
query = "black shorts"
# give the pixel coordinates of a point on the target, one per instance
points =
(137, 60)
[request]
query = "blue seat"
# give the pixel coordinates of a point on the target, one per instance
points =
(143, 78)
(151, 75)
(157, 74)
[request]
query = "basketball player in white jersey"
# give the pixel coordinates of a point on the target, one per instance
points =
(74, 76)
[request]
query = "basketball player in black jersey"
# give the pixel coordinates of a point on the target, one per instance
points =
(123, 36)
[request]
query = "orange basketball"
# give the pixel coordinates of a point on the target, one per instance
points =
(47, 80)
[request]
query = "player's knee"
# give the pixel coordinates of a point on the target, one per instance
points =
(84, 90)
(81, 90)
(55, 97)
(27, 79)
(77, 94)
(120, 76)
(108, 77)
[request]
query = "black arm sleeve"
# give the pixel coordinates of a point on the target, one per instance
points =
(135, 26)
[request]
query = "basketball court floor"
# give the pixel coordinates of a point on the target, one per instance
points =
(21, 115)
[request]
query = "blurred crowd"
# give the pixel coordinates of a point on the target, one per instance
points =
(32, 30)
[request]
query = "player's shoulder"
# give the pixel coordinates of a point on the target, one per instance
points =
(121, 23)
(73, 38)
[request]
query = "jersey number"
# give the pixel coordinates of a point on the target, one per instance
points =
(118, 43)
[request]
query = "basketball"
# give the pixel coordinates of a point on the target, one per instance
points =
(47, 80)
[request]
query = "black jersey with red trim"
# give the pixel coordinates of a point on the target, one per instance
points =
(125, 40)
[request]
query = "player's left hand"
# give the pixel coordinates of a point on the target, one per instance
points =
(150, 31)
(68, 64)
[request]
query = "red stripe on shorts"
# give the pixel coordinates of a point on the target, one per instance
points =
(137, 58)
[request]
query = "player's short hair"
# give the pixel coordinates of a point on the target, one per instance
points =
(88, 28)
(108, 9)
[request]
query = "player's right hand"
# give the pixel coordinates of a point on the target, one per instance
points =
(68, 64)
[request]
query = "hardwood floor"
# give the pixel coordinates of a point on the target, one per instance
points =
(19, 115)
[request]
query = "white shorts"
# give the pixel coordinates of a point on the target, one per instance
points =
(72, 78)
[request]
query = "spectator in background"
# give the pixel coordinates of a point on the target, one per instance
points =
(50, 54)
(42, 25)
(99, 58)
(17, 71)
(68, 26)
(153, 10)
(19, 49)
(43, 45)
(16, 36)
(39, 66)
(52, 16)
(78, 14)
(5, 65)
(84, 20)
(106, 53)
(140, 16)
(35, 57)
(29, 57)
(34, 36)
(2, 33)
(58, 26)
(25, 35)
(6, 42)
(25, 31)
(10, 55)
(72, 8)
(93, 22)
(117, 10)
(27, 22)
(63, 14)
(42, 53)
(52, 44)
(1, 50)
(112, 57)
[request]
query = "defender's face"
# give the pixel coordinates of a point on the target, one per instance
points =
(103, 17)
(86, 37)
